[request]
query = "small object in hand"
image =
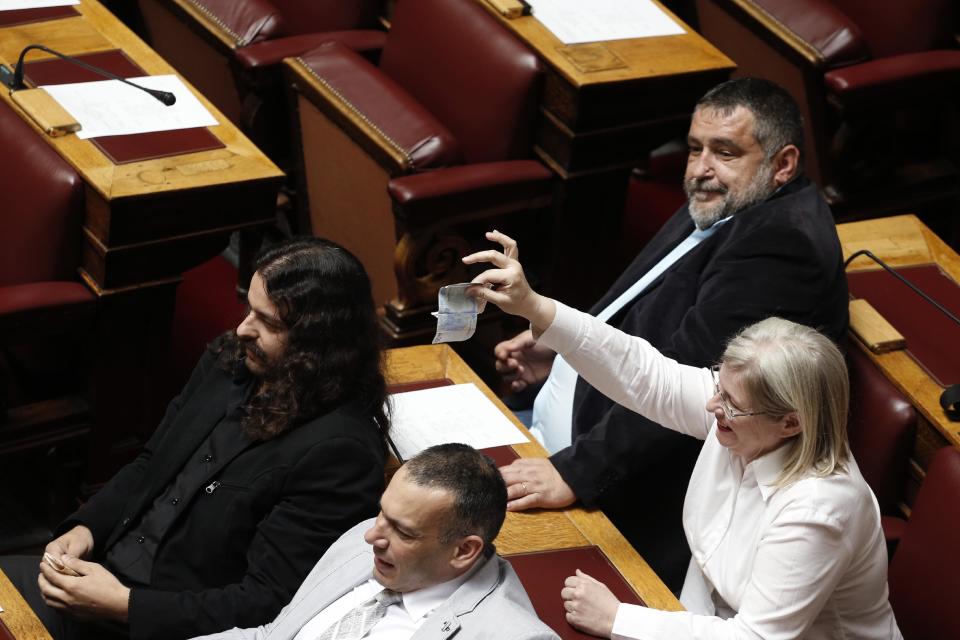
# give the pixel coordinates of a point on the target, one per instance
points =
(457, 313)
(58, 566)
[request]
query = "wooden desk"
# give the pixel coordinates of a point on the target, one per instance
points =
(605, 106)
(17, 614)
(903, 241)
(146, 223)
(536, 530)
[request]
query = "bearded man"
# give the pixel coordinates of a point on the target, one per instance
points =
(755, 239)
(273, 449)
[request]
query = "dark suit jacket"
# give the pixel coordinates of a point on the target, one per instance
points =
(236, 556)
(781, 257)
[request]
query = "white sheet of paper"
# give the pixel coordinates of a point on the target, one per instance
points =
(576, 21)
(455, 413)
(12, 5)
(112, 108)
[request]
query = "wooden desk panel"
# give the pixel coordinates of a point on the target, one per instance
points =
(17, 615)
(903, 241)
(96, 29)
(536, 530)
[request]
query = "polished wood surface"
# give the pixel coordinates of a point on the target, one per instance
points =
(145, 223)
(96, 29)
(536, 530)
(902, 241)
(17, 615)
(595, 63)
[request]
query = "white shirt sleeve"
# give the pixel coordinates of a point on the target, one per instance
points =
(629, 371)
(801, 558)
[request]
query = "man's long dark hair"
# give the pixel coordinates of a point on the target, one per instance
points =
(333, 353)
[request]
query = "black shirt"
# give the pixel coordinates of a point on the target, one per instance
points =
(131, 557)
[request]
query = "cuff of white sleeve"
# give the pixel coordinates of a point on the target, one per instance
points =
(629, 622)
(564, 332)
(643, 623)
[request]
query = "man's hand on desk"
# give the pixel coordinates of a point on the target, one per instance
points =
(78, 542)
(533, 483)
(94, 592)
(521, 361)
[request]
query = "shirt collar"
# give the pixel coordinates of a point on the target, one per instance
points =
(421, 602)
(767, 469)
(701, 234)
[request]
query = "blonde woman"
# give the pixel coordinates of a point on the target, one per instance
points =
(785, 532)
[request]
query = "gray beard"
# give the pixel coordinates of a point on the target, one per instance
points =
(706, 215)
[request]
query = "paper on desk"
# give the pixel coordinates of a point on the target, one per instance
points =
(112, 108)
(575, 21)
(12, 5)
(455, 413)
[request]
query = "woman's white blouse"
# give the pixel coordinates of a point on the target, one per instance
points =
(804, 561)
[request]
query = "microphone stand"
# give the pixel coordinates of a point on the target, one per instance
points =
(15, 81)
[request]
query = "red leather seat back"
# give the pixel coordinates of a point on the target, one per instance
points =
(882, 428)
(311, 16)
(42, 207)
(467, 70)
(892, 28)
(248, 21)
(925, 571)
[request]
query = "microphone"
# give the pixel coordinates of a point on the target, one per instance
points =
(15, 83)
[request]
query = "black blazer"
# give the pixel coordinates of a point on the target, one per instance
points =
(781, 257)
(236, 556)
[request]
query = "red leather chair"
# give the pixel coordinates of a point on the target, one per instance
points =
(882, 428)
(231, 49)
(925, 572)
(41, 296)
(878, 83)
(406, 163)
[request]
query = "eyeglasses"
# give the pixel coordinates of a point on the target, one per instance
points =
(728, 410)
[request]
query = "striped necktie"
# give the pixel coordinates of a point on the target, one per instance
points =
(358, 622)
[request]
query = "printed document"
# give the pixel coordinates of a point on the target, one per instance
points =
(455, 413)
(577, 21)
(112, 108)
(13, 5)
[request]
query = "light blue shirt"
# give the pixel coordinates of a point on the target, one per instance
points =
(552, 422)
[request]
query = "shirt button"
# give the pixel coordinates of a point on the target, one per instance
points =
(140, 539)
(207, 458)
(125, 522)
(175, 501)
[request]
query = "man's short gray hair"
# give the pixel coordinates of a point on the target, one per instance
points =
(777, 119)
